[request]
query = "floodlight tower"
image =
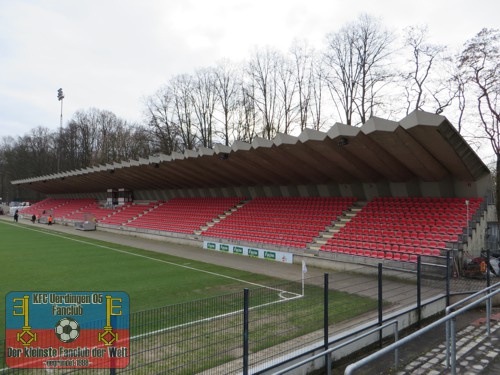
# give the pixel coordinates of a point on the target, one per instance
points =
(60, 97)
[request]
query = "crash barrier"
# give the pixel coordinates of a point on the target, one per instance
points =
(450, 323)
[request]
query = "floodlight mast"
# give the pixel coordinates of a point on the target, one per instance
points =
(60, 97)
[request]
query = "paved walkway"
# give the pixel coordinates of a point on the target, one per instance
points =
(477, 353)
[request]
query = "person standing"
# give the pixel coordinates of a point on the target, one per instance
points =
(16, 216)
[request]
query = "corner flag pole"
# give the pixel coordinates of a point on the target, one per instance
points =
(304, 270)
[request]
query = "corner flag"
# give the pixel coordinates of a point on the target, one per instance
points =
(304, 267)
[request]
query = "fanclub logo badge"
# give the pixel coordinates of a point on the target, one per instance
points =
(55, 330)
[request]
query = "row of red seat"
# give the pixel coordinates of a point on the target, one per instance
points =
(397, 237)
(297, 221)
(125, 213)
(404, 248)
(184, 215)
(58, 208)
(266, 219)
(388, 255)
(390, 224)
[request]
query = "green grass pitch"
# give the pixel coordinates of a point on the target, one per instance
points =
(34, 259)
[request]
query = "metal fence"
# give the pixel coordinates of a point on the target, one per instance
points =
(239, 332)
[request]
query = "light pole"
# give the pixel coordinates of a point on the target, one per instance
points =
(60, 97)
(1, 182)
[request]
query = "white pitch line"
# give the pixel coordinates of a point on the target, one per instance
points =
(214, 317)
(154, 259)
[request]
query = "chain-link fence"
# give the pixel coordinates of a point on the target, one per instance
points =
(205, 334)
(240, 332)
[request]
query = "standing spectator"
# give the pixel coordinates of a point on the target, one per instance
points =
(33, 218)
(16, 216)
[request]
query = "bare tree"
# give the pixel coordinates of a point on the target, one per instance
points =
(114, 135)
(182, 88)
(262, 72)
(428, 82)
(84, 127)
(303, 63)
(140, 144)
(480, 62)
(246, 127)
(95, 137)
(356, 58)
(161, 120)
(203, 100)
(317, 86)
(38, 151)
(286, 92)
(228, 89)
(460, 83)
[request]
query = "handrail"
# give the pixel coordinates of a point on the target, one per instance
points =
(472, 296)
(331, 350)
(451, 308)
(362, 362)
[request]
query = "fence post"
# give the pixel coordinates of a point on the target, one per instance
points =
(380, 303)
(245, 331)
(112, 369)
(328, 358)
(448, 276)
(488, 274)
(419, 290)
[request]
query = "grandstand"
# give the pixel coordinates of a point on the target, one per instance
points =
(395, 229)
(388, 190)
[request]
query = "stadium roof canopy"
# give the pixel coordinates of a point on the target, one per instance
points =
(421, 147)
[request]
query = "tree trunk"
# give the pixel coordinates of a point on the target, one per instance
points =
(497, 186)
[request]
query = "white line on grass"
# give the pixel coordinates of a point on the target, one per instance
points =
(154, 259)
(215, 317)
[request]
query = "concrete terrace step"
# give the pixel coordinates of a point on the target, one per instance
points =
(476, 351)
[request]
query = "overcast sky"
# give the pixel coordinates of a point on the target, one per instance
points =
(110, 54)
